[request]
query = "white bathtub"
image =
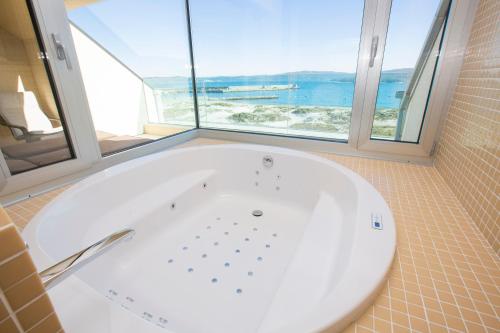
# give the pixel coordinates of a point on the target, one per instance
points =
(201, 261)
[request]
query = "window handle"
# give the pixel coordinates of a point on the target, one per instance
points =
(61, 51)
(373, 50)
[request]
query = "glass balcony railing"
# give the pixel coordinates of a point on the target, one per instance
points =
(138, 88)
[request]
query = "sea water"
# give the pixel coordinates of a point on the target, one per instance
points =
(313, 89)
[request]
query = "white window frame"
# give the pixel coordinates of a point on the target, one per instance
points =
(447, 69)
(72, 101)
(375, 22)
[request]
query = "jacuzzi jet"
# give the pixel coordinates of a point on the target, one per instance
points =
(257, 213)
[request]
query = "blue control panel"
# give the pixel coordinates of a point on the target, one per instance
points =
(377, 221)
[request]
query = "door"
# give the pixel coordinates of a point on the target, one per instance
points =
(405, 54)
(38, 133)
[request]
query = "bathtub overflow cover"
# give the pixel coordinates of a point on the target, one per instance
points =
(257, 213)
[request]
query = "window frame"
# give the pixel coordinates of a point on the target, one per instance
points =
(70, 101)
(52, 18)
(375, 23)
(453, 41)
(367, 21)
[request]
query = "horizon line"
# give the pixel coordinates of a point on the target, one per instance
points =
(275, 74)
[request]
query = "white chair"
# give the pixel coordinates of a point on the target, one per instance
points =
(21, 112)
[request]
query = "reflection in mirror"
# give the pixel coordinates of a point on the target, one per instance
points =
(32, 132)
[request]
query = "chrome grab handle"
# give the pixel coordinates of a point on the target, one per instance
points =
(61, 51)
(60, 271)
(373, 50)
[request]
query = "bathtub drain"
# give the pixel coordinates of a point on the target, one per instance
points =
(257, 213)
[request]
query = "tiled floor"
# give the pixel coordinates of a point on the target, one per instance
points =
(445, 277)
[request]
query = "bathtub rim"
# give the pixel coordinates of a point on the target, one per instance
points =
(318, 320)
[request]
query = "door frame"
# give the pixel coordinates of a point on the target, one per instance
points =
(454, 43)
(49, 17)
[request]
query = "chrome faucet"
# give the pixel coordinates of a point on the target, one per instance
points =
(60, 271)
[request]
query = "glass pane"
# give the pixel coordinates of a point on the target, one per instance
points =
(32, 131)
(411, 52)
(134, 58)
(283, 66)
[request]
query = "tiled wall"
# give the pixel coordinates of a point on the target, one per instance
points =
(24, 305)
(468, 155)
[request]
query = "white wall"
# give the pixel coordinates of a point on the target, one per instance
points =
(116, 95)
(151, 104)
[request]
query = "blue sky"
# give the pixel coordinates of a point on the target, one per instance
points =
(245, 37)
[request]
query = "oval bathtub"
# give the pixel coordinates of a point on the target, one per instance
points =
(229, 238)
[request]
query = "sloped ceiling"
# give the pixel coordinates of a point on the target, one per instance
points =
(15, 18)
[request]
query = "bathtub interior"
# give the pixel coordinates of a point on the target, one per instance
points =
(200, 260)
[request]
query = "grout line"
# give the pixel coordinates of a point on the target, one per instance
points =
(33, 300)
(12, 257)
(21, 281)
(5, 226)
(390, 303)
(419, 284)
(11, 313)
(40, 322)
(404, 289)
(452, 293)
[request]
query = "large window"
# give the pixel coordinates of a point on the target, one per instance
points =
(135, 63)
(283, 66)
(286, 67)
(366, 73)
